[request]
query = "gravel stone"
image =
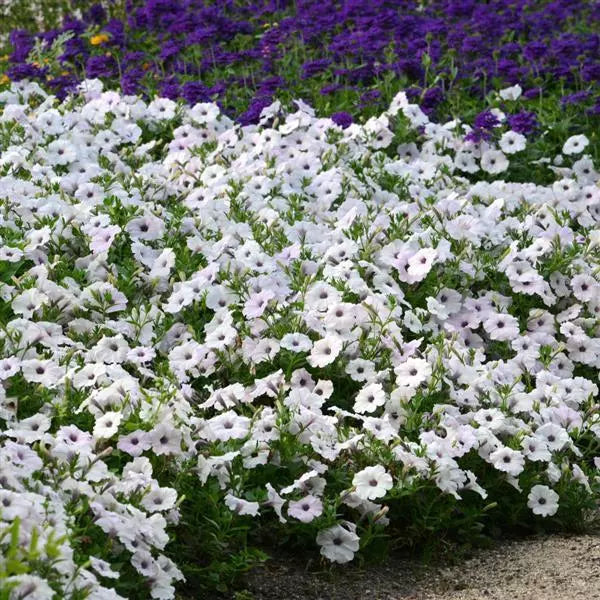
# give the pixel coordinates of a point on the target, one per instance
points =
(538, 568)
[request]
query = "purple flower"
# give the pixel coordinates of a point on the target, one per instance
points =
(100, 66)
(533, 51)
(134, 56)
(63, 85)
(591, 72)
(194, 92)
(413, 94)
(131, 80)
(524, 122)
(477, 135)
(411, 67)
(270, 85)
(76, 50)
(369, 98)
(26, 71)
(343, 119)
(117, 32)
(170, 88)
(74, 25)
(575, 98)
(330, 89)
(472, 44)
(309, 69)
(96, 14)
(486, 120)
(217, 89)
(432, 98)
(531, 93)
(201, 35)
(257, 104)
(594, 111)
(22, 43)
(170, 48)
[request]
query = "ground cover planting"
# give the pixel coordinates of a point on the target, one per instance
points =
(248, 318)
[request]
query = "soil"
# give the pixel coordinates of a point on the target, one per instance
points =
(537, 568)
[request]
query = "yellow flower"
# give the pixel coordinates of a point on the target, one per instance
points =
(4, 79)
(4, 58)
(96, 40)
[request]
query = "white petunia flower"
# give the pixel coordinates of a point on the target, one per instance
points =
(162, 109)
(512, 142)
(29, 301)
(543, 501)
(338, 544)
(103, 568)
(307, 509)
(502, 327)
(575, 144)
(419, 265)
(28, 586)
(494, 162)
(241, 506)
(296, 342)
(372, 482)
(511, 93)
(412, 372)
(107, 424)
(508, 460)
(159, 499)
(325, 351)
(369, 398)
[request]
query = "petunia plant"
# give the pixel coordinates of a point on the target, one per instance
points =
(216, 338)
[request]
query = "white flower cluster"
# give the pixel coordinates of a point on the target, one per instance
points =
(177, 290)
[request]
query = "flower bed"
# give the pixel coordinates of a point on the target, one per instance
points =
(350, 56)
(216, 338)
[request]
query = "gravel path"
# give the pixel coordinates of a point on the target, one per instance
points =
(540, 568)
